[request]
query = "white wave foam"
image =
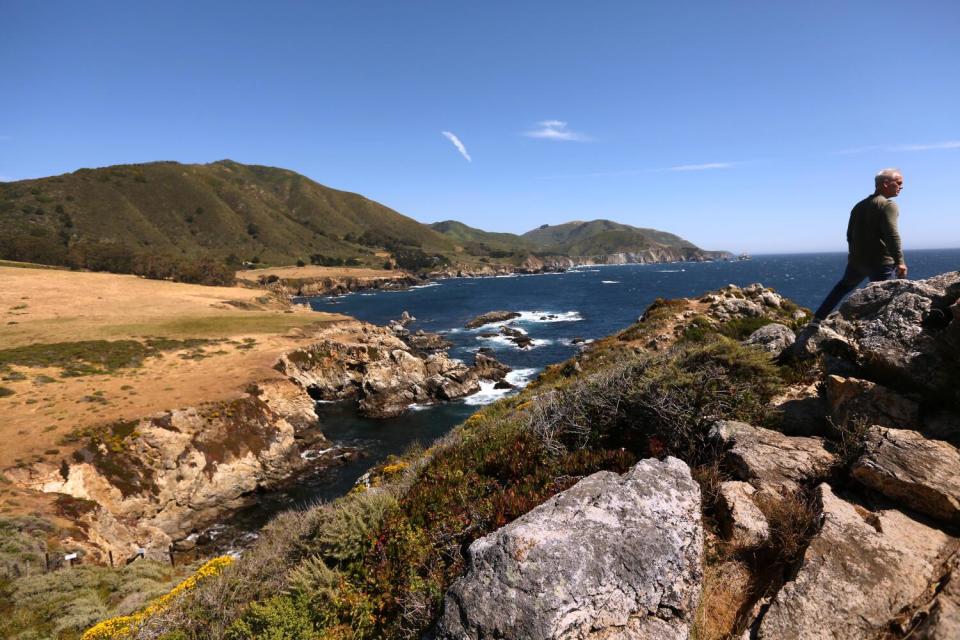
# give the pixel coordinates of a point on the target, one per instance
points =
(419, 407)
(506, 341)
(610, 281)
(549, 316)
(670, 270)
(425, 286)
(534, 317)
(487, 394)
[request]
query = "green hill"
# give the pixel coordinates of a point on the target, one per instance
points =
(601, 237)
(478, 242)
(199, 222)
(220, 210)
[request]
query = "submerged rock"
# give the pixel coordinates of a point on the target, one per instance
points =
(612, 557)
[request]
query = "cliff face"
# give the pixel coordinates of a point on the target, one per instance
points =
(380, 370)
(152, 481)
(157, 479)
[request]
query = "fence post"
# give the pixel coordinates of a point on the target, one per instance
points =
(170, 551)
(110, 555)
(46, 561)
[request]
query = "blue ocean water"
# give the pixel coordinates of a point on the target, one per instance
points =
(587, 303)
(592, 302)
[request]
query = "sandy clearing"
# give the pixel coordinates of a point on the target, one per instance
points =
(250, 330)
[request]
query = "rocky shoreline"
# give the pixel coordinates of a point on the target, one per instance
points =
(151, 483)
(300, 287)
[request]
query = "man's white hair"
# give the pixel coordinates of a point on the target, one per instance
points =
(886, 174)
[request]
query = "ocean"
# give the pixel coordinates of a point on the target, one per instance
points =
(584, 303)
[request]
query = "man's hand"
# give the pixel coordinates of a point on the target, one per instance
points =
(902, 270)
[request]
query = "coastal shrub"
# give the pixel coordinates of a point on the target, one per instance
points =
(122, 627)
(660, 404)
(742, 328)
(344, 532)
(279, 618)
(65, 602)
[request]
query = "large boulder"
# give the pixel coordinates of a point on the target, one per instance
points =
(861, 571)
(921, 474)
(881, 330)
(770, 460)
(612, 557)
(772, 338)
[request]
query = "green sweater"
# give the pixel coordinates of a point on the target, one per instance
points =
(872, 233)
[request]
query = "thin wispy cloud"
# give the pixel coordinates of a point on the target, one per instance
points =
(556, 130)
(459, 145)
(936, 146)
(707, 166)
(6, 179)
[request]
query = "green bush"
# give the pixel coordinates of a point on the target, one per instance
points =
(279, 618)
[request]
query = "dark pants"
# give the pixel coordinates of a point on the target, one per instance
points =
(852, 277)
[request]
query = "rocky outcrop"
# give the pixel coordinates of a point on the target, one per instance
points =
(859, 573)
(335, 285)
(158, 478)
(881, 331)
(854, 399)
(611, 557)
(488, 367)
(770, 460)
(378, 369)
(490, 317)
(919, 473)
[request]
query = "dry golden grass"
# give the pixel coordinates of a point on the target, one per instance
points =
(247, 330)
(727, 586)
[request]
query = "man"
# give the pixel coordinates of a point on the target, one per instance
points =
(874, 242)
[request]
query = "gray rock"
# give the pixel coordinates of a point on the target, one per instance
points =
(742, 521)
(858, 573)
(851, 398)
(770, 460)
(772, 338)
(919, 473)
(611, 557)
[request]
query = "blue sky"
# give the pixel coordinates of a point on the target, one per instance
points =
(748, 126)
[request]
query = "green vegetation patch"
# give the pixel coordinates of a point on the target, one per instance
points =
(91, 357)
